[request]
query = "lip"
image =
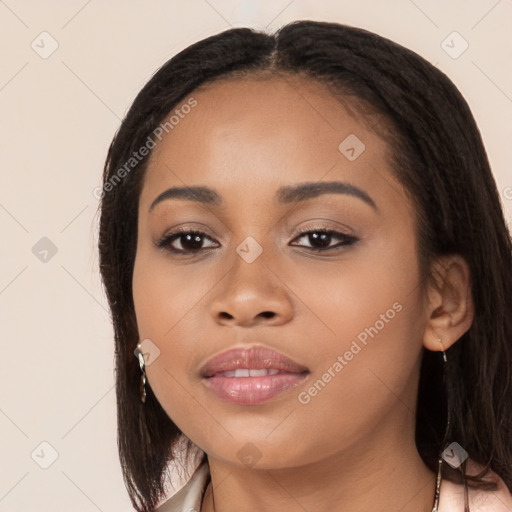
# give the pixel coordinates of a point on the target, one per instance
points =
(252, 389)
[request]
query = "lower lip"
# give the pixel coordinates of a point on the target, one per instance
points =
(253, 390)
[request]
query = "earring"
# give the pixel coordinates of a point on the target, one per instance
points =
(440, 459)
(140, 356)
(442, 346)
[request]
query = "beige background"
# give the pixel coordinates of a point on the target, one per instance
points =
(58, 115)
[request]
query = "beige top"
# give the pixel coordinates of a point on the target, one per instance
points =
(451, 499)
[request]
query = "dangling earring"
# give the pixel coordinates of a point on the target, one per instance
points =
(140, 356)
(440, 459)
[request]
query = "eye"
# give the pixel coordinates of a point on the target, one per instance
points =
(186, 241)
(189, 241)
(321, 239)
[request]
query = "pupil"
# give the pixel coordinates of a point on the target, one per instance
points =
(193, 241)
(323, 238)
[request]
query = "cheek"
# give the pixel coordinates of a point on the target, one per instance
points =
(346, 298)
(166, 295)
(170, 309)
(371, 326)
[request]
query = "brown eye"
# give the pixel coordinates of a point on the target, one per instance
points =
(184, 241)
(192, 242)
(321, 239)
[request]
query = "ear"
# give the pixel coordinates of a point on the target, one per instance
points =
(450, 307)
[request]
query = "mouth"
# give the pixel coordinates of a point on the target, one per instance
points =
(250, 376)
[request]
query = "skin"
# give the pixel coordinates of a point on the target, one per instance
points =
(352, 446)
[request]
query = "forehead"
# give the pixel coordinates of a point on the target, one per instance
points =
(255, 132)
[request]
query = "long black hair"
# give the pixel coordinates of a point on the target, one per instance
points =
(439, 157)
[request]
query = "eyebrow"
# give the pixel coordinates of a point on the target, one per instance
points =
(285, 195)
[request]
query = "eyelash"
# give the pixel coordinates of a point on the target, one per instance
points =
(166, 241)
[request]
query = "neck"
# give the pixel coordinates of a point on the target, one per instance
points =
(382, 469)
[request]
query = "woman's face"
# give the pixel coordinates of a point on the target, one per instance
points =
(351, 316)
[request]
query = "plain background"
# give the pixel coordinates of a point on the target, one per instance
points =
(58, 115)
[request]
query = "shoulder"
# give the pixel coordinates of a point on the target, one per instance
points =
(451, 497)
(190, 496)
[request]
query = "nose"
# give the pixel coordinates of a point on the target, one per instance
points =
(251, 294)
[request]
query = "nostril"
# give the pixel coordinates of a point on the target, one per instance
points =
(267, 314)
(223, 314)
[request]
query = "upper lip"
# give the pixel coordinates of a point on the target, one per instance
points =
(252, 358)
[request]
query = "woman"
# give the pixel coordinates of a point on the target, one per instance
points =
(303, 246)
